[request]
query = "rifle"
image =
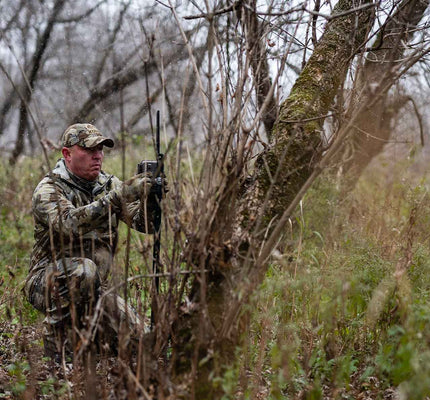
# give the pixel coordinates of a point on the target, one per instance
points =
(156, 168)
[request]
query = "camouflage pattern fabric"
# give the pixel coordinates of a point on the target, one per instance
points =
(85, 135)
(76, 234)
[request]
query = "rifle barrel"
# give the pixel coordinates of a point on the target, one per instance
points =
(157, 138)
(157, 220)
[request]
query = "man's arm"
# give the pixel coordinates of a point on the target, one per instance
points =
(51, 205)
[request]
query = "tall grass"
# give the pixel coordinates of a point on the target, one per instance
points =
(343, 311)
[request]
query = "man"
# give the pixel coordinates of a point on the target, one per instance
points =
(77, 208)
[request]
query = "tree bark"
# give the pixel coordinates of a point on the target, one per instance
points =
(296, 144)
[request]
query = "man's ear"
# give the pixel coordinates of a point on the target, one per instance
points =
(66, 153)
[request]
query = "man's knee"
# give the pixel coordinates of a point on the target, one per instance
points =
(81, 277)
(72, 279)
(83, 273)
(35, 289)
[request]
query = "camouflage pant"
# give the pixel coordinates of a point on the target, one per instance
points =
(68, 294)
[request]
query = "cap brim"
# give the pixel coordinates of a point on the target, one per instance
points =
(108, 143)
(104, 141)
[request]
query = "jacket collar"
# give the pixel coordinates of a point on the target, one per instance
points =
(60, 171)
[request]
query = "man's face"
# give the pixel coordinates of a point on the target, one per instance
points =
(84, 162)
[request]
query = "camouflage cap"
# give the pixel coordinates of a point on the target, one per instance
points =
(85, 135)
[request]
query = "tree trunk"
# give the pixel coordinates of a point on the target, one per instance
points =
(296, 144)
(375, 124)
(205, 336)
(41, 46)
(256, 47)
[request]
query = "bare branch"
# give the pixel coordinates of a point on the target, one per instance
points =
(80, 17)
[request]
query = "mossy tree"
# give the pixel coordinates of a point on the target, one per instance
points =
(242, 211)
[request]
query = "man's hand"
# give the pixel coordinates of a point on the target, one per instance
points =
(136, 187)
(129, 191)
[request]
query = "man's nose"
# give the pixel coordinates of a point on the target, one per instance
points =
(97, 154)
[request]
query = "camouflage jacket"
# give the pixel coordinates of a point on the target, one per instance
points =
(72, 219)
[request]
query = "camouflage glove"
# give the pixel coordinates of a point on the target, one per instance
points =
(130, 191)
(136, 187)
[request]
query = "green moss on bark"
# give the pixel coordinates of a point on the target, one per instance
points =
(296, 138)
